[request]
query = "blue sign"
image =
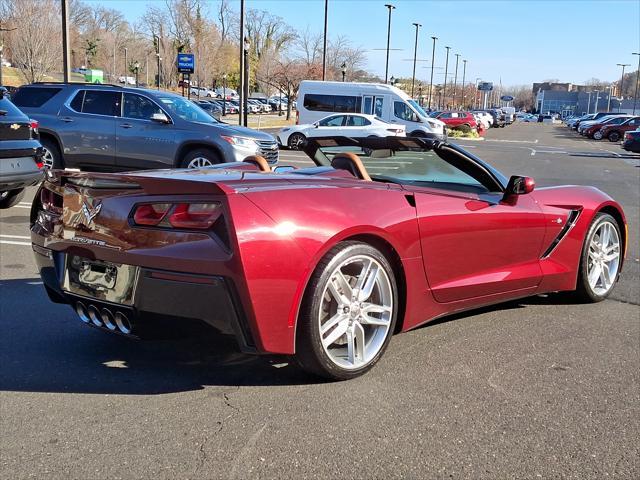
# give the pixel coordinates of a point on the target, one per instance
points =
(186, 62)
(506, 98)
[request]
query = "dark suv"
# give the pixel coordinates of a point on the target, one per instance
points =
(109, 127)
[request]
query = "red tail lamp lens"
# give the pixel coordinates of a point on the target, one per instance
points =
(195, 215)
(150, 214)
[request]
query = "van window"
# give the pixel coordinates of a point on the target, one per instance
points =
(402, 111)
(332, 103)
(378, 107)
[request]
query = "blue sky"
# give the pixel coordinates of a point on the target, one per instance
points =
(520, 41)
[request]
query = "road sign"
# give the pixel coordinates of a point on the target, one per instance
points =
(186, 62)
(506, 98)
(485, 86)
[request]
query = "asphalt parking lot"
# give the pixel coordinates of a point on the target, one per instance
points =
(538, 388)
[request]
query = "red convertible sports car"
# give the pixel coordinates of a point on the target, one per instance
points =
(323, 263)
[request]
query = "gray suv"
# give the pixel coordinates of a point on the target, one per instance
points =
(105, 127)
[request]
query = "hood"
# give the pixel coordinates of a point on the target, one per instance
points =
(246, 132)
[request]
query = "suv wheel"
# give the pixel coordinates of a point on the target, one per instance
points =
(199, 158)
(52, 157)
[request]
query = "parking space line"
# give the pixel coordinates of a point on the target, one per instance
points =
(22, 206)
(11, 242)
(24, 237)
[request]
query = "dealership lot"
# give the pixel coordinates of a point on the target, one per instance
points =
(531, 388)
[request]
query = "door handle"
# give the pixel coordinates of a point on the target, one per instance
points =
(126, 125)
(66, 119)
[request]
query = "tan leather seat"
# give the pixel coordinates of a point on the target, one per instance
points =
(259, 162)
(351, 163)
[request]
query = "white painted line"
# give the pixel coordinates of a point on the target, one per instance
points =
(22, 206)
(551, 151)
(25, 203)
(10, 242)
(16, 236)
(512, 141)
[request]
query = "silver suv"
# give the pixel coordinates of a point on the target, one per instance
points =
(105, 127)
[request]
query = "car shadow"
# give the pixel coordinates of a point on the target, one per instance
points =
(45, 348)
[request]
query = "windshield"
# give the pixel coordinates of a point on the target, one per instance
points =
(186, 109)
(417, 107)
(434, 114)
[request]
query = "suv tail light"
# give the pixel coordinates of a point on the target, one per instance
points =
(33, 124)
(190, 216)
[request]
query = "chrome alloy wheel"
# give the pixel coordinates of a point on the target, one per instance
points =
(356, 312)
(47, 158)
(604, 258)
(199, 162)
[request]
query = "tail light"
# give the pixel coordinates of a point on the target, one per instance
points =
(190, 216)
(297, 117)
(33, 124)
(626, 136)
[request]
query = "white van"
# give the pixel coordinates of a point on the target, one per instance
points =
(317, 99)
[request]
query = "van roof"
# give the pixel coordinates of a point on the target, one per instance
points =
(382, 87)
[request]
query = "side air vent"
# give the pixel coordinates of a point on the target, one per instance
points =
(571, 221)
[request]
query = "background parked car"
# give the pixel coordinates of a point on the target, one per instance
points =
(615, 132)
(593, 129)
(20, 153)
(458, 120)
(352, 125)
(210, 107)
(631, 141)
(104, 127)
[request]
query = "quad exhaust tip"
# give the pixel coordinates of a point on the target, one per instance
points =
(91, 315)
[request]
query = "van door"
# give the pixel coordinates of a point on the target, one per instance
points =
(373, 105)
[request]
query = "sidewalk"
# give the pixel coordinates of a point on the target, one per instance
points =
(263, 121)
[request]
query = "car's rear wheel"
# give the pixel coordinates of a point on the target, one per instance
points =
(348, 313)
(296, 141)
(10, 198)
(614, 136)
(200, 158)
(600, 260)
(52, 157)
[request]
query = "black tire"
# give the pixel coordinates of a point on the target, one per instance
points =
(310, 353)
(296, 141)
(51, 147)
(205, 153)
(583, 292)
(11, 198)
(614, 136)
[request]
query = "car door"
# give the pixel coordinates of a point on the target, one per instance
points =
(474, 243)
(140, 141)
(87, 128)
(329, 126)
(358, 126)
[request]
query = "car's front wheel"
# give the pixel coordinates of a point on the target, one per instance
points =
(200, 158)
(10, 198)
(597, 135)
(348, 313)
(600, 260)
(296, 141)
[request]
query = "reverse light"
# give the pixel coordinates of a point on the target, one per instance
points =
(194, 215)
(150, 214)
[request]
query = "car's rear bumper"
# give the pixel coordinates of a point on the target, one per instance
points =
(22, 179)
(155, 295)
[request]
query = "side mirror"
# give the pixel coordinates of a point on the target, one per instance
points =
(519, 185)
(159, 117)
(316, 125)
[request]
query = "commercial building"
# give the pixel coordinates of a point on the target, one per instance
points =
(567, 99)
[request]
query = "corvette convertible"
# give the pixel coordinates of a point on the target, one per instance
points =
(322, 263)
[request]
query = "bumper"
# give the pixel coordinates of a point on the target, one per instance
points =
(20, 180)
(153, 293)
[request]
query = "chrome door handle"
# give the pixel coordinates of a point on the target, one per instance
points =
(126, 125)
(66, 119)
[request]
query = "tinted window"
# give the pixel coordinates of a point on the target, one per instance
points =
(141, 108)
(357, 121)
(34, 96)
(76, 103)
(101, 103)
(332, 103)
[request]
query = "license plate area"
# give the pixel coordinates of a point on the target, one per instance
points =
(106, 281)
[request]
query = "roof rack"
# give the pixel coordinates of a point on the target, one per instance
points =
(77, 83)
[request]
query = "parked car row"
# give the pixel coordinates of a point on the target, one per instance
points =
(604, 125)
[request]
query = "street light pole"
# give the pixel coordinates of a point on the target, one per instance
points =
(224, 94)
(415, 56)
(136, 66)
(475, 94)
(464, 74)
(126, 67)
(623, 65)
(446, 70)
(609, 98)
(433, 56)
(1, 49)
(344, 70)
(242, 79)
(324, 43)
(245, 93)
(66, 67)
(386, 67)
(159, 58)
(635, 95)
(455, 81)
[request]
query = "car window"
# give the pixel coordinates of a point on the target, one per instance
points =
(403, 111)
(445, 115)
(353, 121)
(335, 121)
(101, 103)
(33, 96)
(138, 107)
(185, 109)
(76, 103)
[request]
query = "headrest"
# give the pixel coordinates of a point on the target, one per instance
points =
(259, 162)
(351, 163)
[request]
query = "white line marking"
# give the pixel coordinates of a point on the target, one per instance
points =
(22, 206)
(9, 242)
(25, 203)
(16, 236)
(512, 141)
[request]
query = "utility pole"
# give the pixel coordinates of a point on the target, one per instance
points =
(455, 81)
(386, 67)
(324, 43)
(433, 56)
(476, 103)
(464, 74)
(66, 67)
(245, 91)
(415, 56)
(126, 67)
(446, 70)
(623, 65)
(635, 95)
(242, 79)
